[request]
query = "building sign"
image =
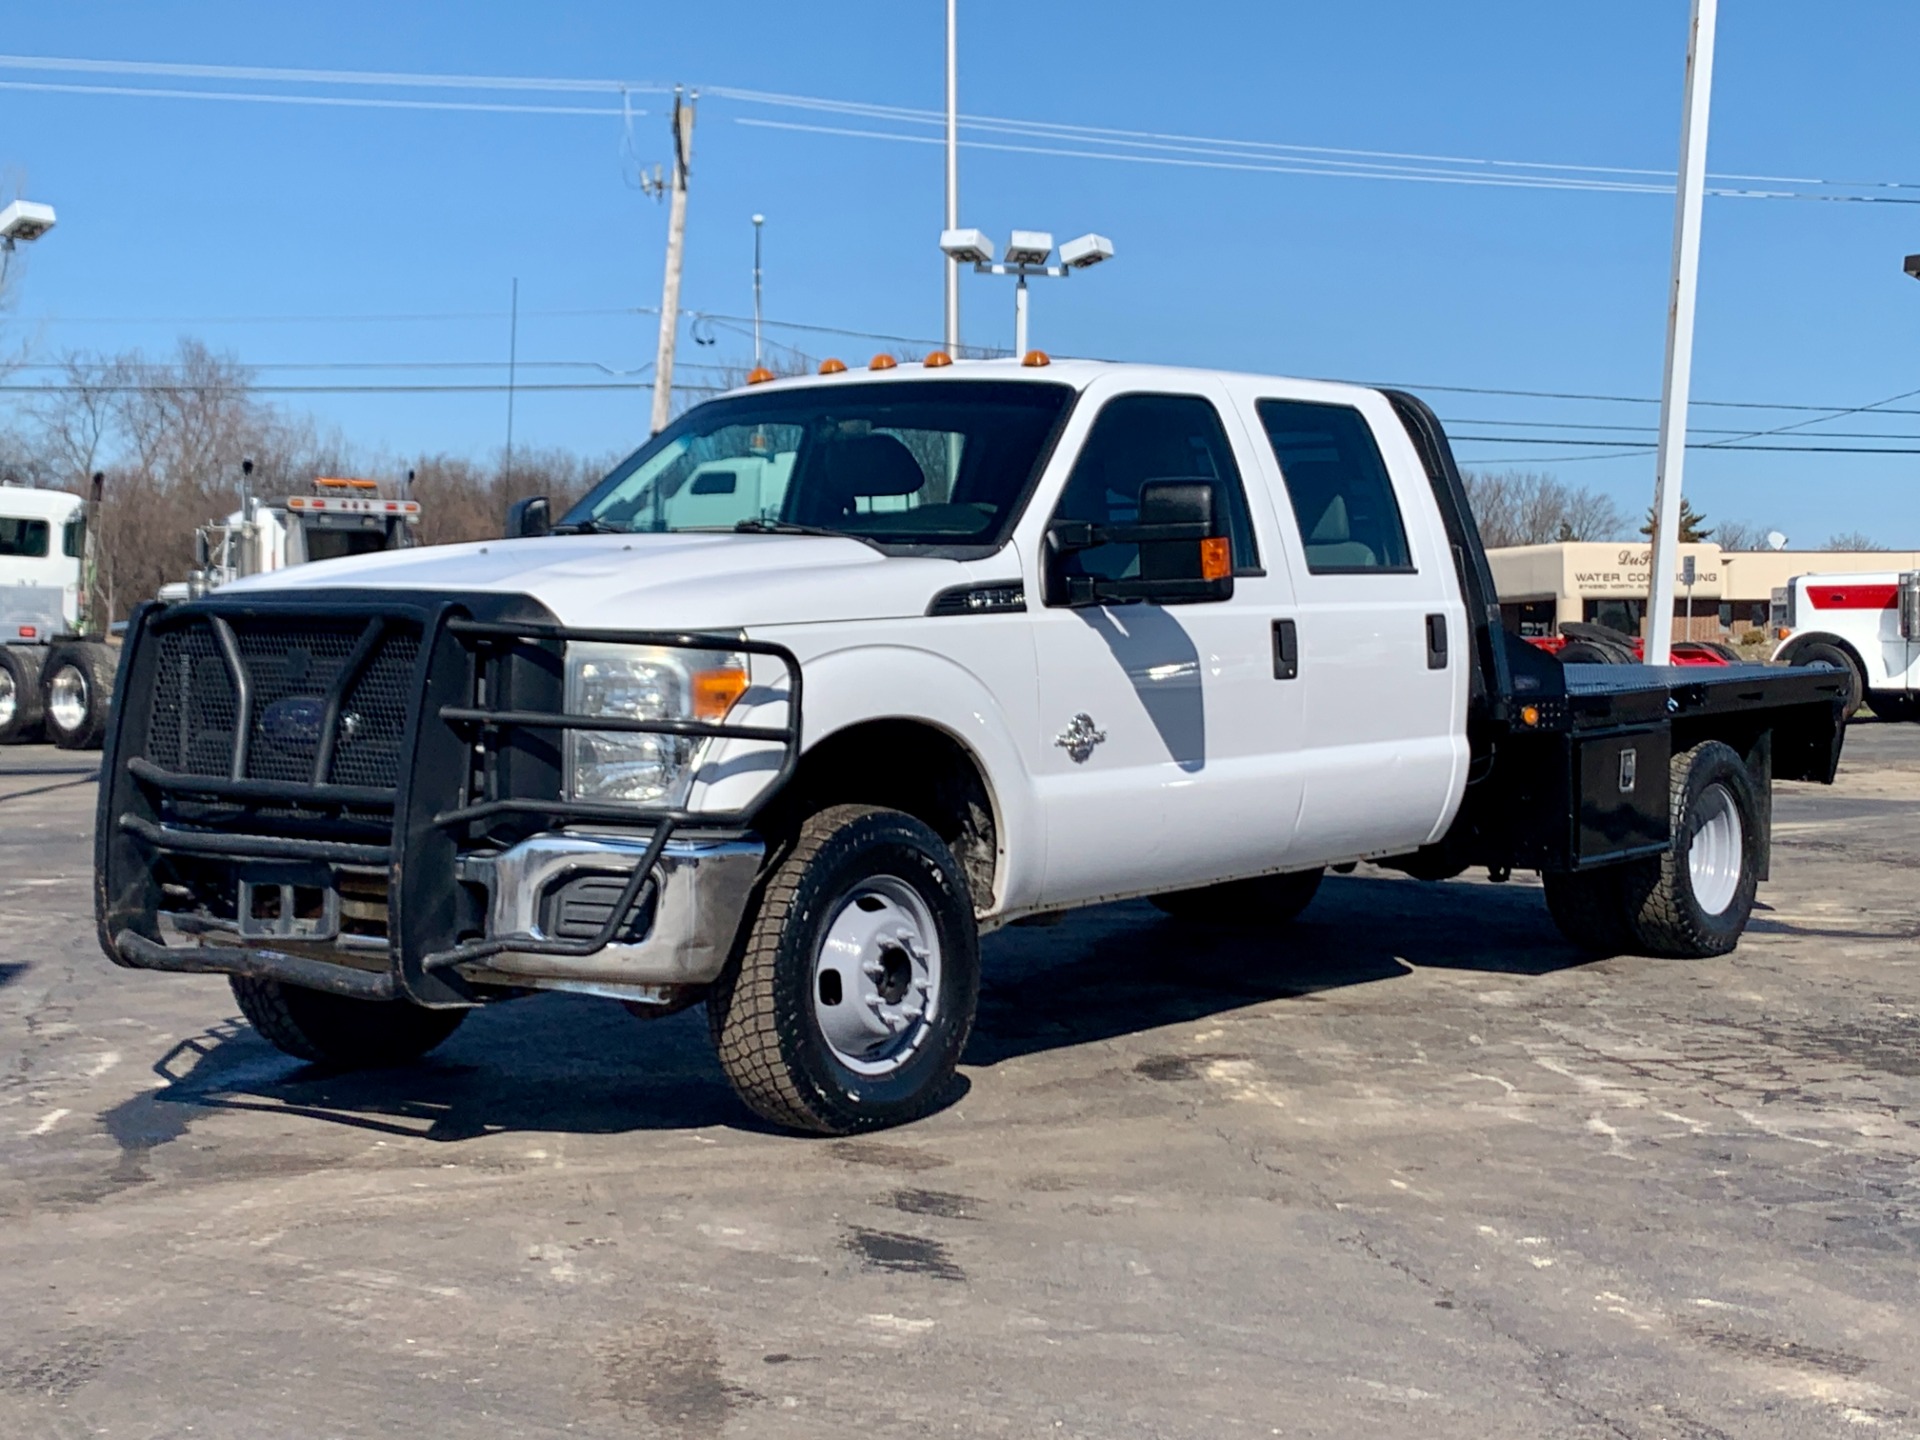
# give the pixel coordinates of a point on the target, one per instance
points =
(1629, 570)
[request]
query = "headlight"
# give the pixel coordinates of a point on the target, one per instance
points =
(640, 682)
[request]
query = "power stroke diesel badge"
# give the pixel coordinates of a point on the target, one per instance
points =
(1079, 738)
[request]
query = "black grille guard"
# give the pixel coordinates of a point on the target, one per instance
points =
(480, 757)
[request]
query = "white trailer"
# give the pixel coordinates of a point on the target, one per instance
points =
(1867, 625)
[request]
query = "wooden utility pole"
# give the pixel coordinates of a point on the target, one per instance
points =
(676, 251)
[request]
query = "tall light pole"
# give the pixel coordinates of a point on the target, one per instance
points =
(1028, 252)
(953, 174)
(1678, 384)
(758, 221)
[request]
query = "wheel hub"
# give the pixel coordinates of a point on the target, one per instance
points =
(877, 977)
(67, 698)
(1716, 856)
(9, 698)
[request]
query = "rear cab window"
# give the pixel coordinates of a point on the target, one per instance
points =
(1338, 485)
(23, 539)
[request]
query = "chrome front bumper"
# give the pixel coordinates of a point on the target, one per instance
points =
(701, 893)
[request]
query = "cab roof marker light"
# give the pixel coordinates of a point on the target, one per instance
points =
(936, 359)
(882, 361)
(831, 366)
(759, 375)
(1034, 359)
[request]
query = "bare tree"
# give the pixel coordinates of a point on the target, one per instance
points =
(1526, 507)
(1735, 535)
(1852, 540)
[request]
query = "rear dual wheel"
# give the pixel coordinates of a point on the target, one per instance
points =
(1691, 902)
(77, 686)
(19, 694)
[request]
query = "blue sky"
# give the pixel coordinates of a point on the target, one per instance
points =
(179, 214)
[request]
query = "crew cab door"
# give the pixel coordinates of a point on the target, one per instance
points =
(1166, 748)
(1383, 642)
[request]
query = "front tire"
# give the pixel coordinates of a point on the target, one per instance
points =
(338, 1031)
(1821, 653)
(1266, 900)
(19, 694)
(77, 692)
(853, 992)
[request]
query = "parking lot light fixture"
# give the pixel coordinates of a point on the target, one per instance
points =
(1028, 253)
(21, 221)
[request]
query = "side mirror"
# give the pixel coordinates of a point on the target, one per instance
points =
(1185, 553)
(202, 554)
(529, 518)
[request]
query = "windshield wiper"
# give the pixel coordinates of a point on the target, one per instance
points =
(587, 527)
(788, 527)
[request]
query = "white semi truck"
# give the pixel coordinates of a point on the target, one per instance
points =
(55, 676)
(1866, 625)
(836, 674)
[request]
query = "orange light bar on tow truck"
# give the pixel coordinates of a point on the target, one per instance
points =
(338, 483)
(335, 504)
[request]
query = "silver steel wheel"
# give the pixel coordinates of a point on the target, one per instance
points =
(9, 697)
(1718, 853)
(876, 981)
(67, 698)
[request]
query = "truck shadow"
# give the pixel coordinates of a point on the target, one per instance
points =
(561, 1063)
(1126, 968)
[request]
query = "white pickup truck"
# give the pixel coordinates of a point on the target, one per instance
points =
(836, 674)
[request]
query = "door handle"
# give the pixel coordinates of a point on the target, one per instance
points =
(1436, 642)
(1286, 650)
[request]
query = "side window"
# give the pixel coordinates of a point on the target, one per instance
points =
(1342, 496)
(1137, 438)
(24, 538)
(73, 538)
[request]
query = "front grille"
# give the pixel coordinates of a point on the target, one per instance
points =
(292, 666)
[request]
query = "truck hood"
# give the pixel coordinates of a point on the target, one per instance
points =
(653, 581)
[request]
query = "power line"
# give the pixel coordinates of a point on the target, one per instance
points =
(1204, 151)
(334, 101)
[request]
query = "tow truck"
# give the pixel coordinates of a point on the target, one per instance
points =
(1867, 626)
(836, 674)
(340, 517)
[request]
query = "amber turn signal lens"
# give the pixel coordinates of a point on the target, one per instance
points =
(1529, 715)
(882, 362)
(714, 692)
(1216, 558)
(830, 366)
(937, 359)
(1034, 359)
(759, 375)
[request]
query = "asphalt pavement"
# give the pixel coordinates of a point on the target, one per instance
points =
(1409, 1167)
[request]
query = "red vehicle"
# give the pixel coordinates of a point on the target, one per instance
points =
(1578, 644)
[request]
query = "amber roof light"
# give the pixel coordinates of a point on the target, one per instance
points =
(830, 366)
(1034, 359)
(882, 362)
(759, 375)
(937, 359)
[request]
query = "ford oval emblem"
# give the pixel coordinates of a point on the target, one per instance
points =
(293, 721)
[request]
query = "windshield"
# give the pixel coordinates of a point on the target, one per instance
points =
(933, 462)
